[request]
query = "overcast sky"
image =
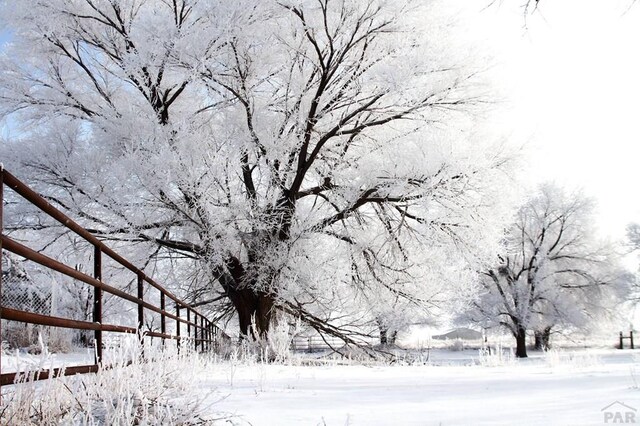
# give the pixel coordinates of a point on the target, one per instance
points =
(571, 79)
(570, 87)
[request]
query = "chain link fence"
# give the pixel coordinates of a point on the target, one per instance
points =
(27, 287)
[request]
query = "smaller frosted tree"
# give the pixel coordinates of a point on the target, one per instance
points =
(552, 273)
(633, 244)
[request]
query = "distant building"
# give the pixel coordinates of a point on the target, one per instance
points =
(460, 333)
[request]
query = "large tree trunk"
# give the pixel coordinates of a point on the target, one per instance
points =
(255, 312)
(264, 313)
(542, 342)
(254, 308)
(521, 342)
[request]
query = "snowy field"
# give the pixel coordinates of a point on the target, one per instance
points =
(564, 388)
(570, 387)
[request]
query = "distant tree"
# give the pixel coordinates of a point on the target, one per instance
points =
(633, 244)
(542, 338)
(633, 235)
(553, 272)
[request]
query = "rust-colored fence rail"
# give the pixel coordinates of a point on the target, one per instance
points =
(191, 327)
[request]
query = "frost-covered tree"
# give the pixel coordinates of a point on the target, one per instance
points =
(633, 245)
(280, 149)
(553, 272)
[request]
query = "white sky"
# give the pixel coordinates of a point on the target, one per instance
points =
(571, 87)
(571, 82)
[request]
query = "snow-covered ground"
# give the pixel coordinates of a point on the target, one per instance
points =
(453, 389)
(443, 387)
(20, 360)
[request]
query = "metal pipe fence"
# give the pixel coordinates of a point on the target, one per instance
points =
(190, 328)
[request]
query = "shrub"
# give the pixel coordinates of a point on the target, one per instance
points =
(159, 388)
(496, 357)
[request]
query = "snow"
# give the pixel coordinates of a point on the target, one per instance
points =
(436, 387)
(20, 360)
(562, 388)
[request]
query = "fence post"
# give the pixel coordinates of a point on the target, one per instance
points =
(178, 327)
(205, 343)
(196, 331)
(163, 325)
(188, 324)
(140, 309)
(631, 338)
(203, 335)
(216, 346)
(97, 301)
(1, 233)
(210, 336)
(621, 341)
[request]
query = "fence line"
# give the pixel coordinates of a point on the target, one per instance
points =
(204, 334)
(315, 343)
(629, 338)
